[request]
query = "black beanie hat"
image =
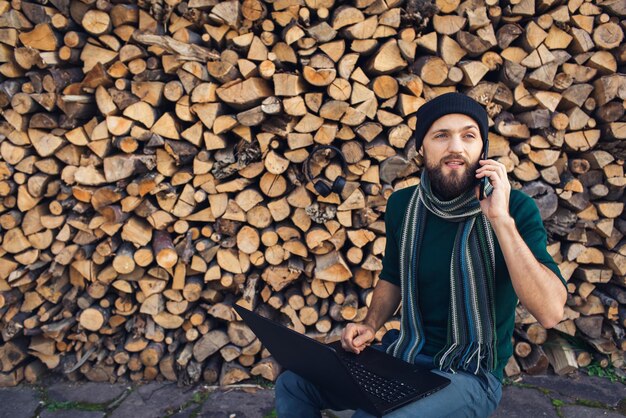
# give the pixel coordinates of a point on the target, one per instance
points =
(444, 105)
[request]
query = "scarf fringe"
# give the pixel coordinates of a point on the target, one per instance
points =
(475, 358)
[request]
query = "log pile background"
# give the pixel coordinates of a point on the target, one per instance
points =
(151, 170)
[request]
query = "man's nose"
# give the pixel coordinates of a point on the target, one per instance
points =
(455, 145)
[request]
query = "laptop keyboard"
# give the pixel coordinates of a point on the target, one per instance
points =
(389, 390)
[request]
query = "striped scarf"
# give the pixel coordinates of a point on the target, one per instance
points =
(471, 319)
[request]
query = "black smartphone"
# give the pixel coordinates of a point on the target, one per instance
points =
(484, 180)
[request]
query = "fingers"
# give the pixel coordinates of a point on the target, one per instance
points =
(355, 338)
(363, 339)
(492, 169)
(347, 338)
(492, 164)
(493, 175)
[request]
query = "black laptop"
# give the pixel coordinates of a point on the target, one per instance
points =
(372, 380)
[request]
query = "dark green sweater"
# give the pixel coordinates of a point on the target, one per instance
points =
(433, 271)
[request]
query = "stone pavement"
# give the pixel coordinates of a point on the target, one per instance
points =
(550, 396)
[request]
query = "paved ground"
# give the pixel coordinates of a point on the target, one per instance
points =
(574, 396)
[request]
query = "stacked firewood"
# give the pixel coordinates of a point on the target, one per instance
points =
(151, 170)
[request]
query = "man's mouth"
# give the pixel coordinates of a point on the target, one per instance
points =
(454, 164)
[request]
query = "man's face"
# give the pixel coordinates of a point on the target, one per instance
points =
(452, 148)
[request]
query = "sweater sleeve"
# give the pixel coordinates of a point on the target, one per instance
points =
(391, 259)
(530, 226)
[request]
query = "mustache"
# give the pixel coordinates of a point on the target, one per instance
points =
(452, 158)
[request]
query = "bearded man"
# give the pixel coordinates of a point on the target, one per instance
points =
(459, 265)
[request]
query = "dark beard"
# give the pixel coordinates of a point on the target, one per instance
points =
(448, 187)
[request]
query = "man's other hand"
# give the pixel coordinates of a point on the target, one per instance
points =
(355, 337)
